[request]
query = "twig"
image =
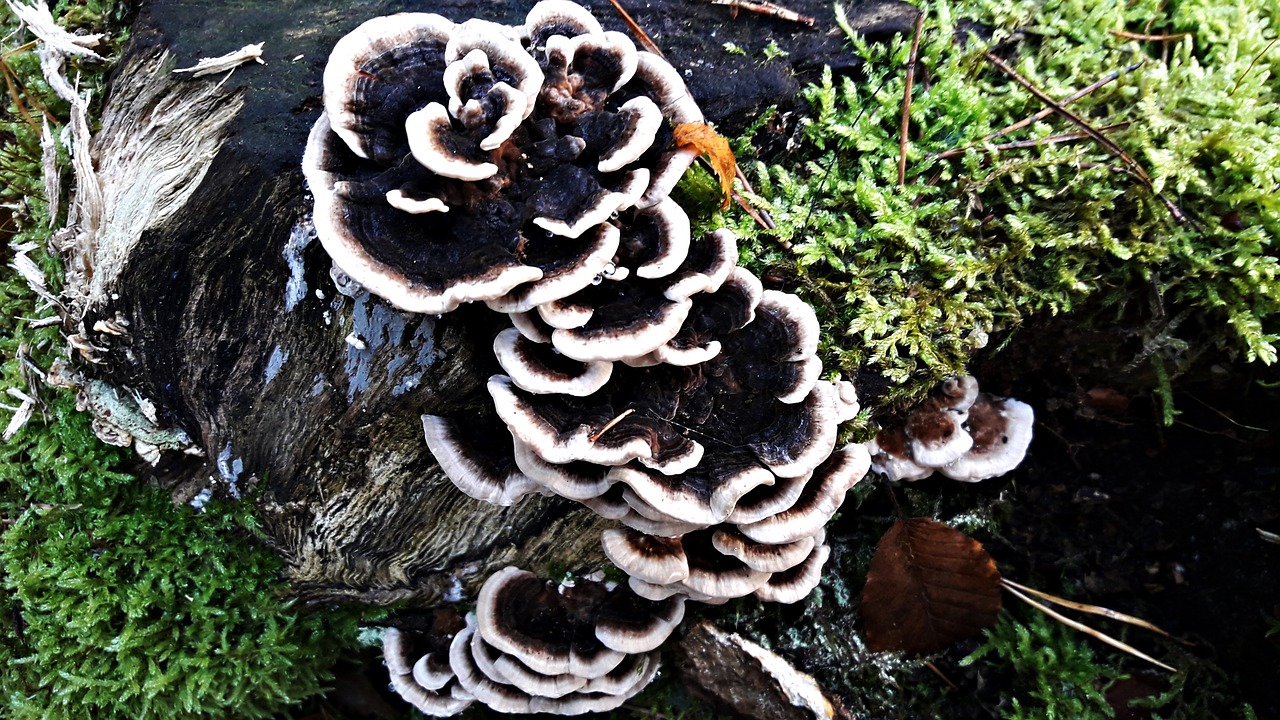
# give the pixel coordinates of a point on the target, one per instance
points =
(16, 96)
(1253, 62)
(760, 215)
(768, 8)
(938, 672)
(1143, 37)
(1223, 415)
(636, 30)
(1091, 609)
(1093, 133)
(906, 100)
(20, 49)
(1046, 112)
(611, 423)
(1018, 144)
(1085, 628)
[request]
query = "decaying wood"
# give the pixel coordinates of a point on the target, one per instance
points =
(210, 309)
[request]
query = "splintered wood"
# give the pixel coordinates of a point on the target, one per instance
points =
(226, 63)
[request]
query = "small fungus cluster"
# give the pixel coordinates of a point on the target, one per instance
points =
(534, 647)
(958, 431)
(645, 374)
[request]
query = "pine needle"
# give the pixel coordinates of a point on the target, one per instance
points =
(1085, 628)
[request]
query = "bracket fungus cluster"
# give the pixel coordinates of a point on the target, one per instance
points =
(645, 374)
(958, 431)
(461, 162)
(533, 647)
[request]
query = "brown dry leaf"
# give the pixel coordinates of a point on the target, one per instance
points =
(708, 143)
(929, 586)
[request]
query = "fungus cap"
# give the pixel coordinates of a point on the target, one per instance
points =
(1001, 430)
(656, 560)
(935, 428)
(474, 467)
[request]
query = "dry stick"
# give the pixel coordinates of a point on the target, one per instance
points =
(761, 216)
(14, 95)
(1017, 144)
(1085, 628)
(1091, 131)
(906, 100)
(1091, 609)
(1249, 69)
(1143, 37)
(20, 49)
(938, 672)
(635, 30)
(1046, 112)
(768, 8)
(611, 423)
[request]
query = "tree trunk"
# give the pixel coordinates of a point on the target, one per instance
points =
(299, 397)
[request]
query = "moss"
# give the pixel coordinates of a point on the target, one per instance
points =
(146, 610)
(113, 602)
(912, 280)
(1055, 672)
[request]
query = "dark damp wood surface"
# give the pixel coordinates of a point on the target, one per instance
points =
(238, 334)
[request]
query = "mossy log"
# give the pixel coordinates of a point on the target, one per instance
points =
(305, 400)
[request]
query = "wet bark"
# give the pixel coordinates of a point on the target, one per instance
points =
(301, 399)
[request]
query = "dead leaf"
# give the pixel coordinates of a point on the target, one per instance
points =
(708, 143)
(929, 586)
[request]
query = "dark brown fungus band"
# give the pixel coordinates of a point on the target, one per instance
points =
(712, 315)
(794, 584)
(539, 369)
(381, 72)
(631, 313)
(581, 481)
(891, 455)
(716, 575)
(522, 615)
(758, 556)
(668, 417)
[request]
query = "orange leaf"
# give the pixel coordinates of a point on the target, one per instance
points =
(929, 586)
(707, 142)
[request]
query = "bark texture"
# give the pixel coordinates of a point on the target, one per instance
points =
(301, 398)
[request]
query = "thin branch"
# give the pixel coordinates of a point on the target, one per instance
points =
(1253, 62)
(611, 423)
(1093, 133)
(768, 8)
(1085, 628)
(1091, 609)
(1046, 112)
(636, 30)
(906, 99)
(760, 215)
(14, 95)
(938, 672)
(1037, 142)
(1143, 37)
